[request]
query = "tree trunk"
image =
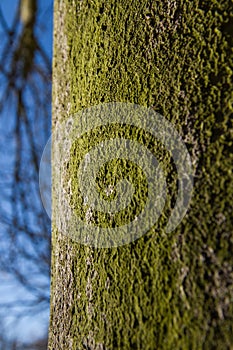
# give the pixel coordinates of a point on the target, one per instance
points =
(164, 290)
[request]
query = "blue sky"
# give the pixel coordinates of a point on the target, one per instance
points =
(31, 326)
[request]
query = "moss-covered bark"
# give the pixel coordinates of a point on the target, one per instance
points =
(163, 291)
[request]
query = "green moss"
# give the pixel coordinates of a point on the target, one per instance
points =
(163, 291)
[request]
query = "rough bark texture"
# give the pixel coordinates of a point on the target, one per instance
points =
(163, 291)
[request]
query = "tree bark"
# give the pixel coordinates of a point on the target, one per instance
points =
(164, 290)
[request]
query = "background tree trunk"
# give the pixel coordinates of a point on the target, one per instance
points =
(163, 291)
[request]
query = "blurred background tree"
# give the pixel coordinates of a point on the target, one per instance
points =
(25, 102)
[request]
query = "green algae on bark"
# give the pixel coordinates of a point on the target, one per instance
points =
(163, 291)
